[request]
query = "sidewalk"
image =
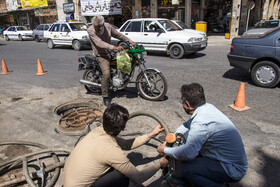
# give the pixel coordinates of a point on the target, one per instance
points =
(215, 40)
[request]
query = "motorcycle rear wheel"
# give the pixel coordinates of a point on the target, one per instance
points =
(158, 87)
(92, 76)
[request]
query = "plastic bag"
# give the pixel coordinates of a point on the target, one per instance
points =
(123, 62)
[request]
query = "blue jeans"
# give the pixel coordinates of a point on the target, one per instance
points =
(204, 172)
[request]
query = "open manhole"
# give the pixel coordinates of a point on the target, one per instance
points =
(76, 117)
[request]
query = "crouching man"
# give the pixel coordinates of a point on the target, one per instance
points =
(214, 152)
(98, 159)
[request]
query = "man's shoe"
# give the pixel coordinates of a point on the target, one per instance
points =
(106, 101)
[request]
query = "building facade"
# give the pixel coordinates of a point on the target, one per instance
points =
(234, 16)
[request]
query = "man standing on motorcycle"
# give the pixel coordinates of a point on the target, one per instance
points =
(214, 152)
(100, 34)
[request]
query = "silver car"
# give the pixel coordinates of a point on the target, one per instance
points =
(262, 27)
(38, 33)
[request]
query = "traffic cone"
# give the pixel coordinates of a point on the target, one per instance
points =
(239, 103)
(5, 70)
(40, 68)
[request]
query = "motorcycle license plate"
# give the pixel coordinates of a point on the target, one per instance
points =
(81, 67)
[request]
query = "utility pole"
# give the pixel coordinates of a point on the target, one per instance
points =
(235, 17)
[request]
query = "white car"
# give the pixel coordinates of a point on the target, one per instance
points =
(182, 25)
(67, 33)
(18, 33)
(160, 34)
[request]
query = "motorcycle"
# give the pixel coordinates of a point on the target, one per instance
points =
(150, 82)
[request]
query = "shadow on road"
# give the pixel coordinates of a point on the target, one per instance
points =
(188, 56)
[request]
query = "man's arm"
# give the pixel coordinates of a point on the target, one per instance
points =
(138, 141)
(117, 159)
(195, 139)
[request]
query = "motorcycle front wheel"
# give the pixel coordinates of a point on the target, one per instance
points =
(157, 88)
(92, 76)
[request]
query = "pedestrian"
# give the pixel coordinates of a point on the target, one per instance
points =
(100, 34)
(98, 159)
(214, 152)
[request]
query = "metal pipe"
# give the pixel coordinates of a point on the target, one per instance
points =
(85, 82)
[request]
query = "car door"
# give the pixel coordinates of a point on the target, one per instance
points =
(152, 38)
(65, 35)
(53, 33)
(133, 31)
(11, 32)
(40, 31)
(278, 44)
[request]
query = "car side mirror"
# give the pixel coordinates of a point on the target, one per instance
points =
(159, 30)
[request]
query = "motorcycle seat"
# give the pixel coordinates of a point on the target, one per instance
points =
(89, 58)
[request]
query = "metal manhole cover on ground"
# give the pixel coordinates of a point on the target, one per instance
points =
(77, 116)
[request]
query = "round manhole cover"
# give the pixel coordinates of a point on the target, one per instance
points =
(77, 116)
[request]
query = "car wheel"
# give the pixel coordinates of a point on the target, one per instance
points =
(176, 51)
(37, 39)
(7, 38)
(20, 38)
(124, 45)
(77, 45)
(265, 74)
(50, 44)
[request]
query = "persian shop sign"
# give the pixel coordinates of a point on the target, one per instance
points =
(45, 12)
(105, 7)
(33, 3)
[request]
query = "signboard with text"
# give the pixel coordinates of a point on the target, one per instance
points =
(68, 8)
(45, 12)
(103, 7)
(34, 3)
(163, 4)
(11, 5)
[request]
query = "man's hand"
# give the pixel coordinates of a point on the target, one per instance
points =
(118, 48)
(160, 148)
(156, 131)
(133, 43)
(163, 162)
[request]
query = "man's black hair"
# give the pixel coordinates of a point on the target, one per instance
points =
(194, 94)
(114, 119)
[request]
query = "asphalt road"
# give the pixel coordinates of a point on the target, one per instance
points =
(28, 100)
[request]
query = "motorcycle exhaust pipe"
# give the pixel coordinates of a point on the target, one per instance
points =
(85, 82)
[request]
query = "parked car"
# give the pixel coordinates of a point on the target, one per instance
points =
(183, 26)
(258, 55)
(160, 34)
(262, 26)
(18, 33)
(38, 33)
(67, 33)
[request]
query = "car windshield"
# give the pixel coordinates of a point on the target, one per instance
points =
(267, 24)
(78, 26)
(182, 25)
(169, 25)
(21, 28)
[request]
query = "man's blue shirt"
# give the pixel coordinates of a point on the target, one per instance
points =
(213, 135)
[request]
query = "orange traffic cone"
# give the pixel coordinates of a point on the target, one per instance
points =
(5, 70)
(40, 68)
(239, 103)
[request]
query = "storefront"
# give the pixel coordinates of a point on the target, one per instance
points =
(46, 15)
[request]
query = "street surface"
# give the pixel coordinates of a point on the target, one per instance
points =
(28, 100)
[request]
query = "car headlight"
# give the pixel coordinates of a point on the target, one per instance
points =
(192, 40)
